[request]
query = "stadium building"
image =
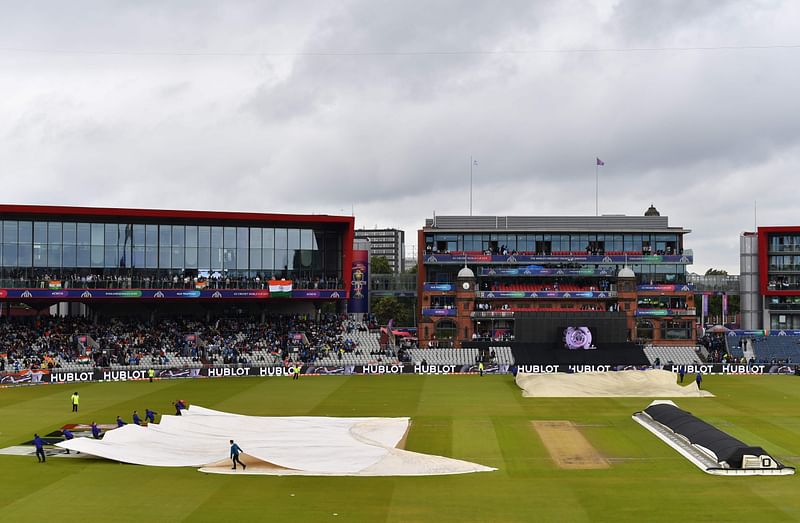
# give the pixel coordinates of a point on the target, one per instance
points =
(531, 279)
(389, 243)
(770, 279)
(108, 261)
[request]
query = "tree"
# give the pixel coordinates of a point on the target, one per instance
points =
(716, 272)
(388, 307)
(412, 269)
(379, 265)
(715, 307)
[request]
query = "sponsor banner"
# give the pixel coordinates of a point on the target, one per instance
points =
(784, 333)
(739, 332)
(663, 287)
(710, 368)
(705, 304)
(734, 368)
(59, 376)
(543, 271)
(438, 312)
(25, 376)
(724, 306)
(439, 287)
(319, 294)
(664, 312)
(359, 287)
(56, 376)
(545, 294)
(162, 294)
(756, 333)
(522, 258)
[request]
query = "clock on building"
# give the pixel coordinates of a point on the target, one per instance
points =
(465, 285)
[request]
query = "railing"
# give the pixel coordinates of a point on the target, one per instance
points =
(393, 283)
(488, 315)
(546, 294)
(722, 283)
(148, 283)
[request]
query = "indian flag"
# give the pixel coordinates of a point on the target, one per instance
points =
(280, 288)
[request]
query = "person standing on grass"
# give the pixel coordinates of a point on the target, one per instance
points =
(296, 374)
(698, 379)
(179, 406)
(235, 450)
(480, 367)
(75, 401)
(681, 372)
(39, 444)
(150, 415)
(150, 374)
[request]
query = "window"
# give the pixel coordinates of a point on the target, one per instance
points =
(84, 234)
(255, 238)
(9, 232)
(644, 329)
(445, 330)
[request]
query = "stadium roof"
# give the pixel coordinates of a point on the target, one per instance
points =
(606, 223)
(41, 211)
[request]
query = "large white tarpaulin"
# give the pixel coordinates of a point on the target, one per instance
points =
(272, 445)
(624, 383)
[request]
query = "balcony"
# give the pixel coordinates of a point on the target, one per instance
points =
(398, 285)
(557, 295)
(453, 258)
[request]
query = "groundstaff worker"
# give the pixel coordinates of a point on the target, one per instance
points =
(75, 401)
(39, 444)
(68, 435)
(235, 450)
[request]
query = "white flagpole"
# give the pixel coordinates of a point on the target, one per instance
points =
(596, 189)
(470, 185)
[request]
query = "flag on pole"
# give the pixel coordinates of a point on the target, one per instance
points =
(600, 162)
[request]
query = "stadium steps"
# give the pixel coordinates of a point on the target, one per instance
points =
(672, 355)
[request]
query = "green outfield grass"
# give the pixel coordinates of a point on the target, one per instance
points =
(484, 420)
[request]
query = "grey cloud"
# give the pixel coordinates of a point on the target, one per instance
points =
(700, 134)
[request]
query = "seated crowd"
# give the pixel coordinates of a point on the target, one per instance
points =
(44, 342)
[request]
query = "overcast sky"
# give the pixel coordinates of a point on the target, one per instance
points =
(376, 106)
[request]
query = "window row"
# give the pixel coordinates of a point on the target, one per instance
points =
(784, 242)
(73, 256)
(141, 235)
(546, 243)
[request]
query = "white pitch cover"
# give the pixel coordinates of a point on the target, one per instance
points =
(301, 445)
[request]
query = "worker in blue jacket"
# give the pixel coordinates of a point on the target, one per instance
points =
(136, 419)
(235, 451)
(120, 423)
(39, 444)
